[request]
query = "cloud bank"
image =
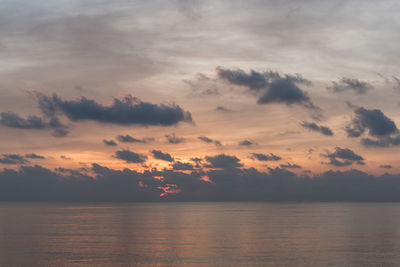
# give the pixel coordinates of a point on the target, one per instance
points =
(35, 183)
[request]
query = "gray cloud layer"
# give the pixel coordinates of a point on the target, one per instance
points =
(35, 183)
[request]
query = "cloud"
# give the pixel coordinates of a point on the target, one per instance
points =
(125, 111)
(35, 183)
(12, 159)
(246, 143)
(223, 109)
(290, 166)
(343, 157)
(209, 140)
(317, 128)
(223, 161)
(254, 80)
(109, 142)
(383, 141)
(348, 84)
(385, 166)
(172, 139)
(197, 161)
(130, 157)
(383, 130)
(157, 154)
(373, 120)
(129, 139)
(182, 166)
(271, 87)
(13, 120)
(34, 156)
(265, 157)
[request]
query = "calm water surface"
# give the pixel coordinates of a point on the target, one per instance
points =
(200, 234)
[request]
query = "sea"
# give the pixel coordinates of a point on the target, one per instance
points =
(199, 234)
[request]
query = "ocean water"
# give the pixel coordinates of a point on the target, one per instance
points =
(200, 234)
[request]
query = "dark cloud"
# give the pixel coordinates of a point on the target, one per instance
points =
(373, 120)
(265, 157)
(130, 157)
(197, 161)
(157, 154)
(349, 84)
(383, 141)
(246, 143)
(290, 166)
(209, 140)
(271, 86)
(317, 128)
(383, 130)
(129, 139)
(12, 159)
(285, 90)
(343, 157)
(254, 80)
(34, 156)
(223, 109)
(69, 171)
(35, 183)
(109, 142)
(182, 166)
(223, 161)
(385, 166)
(172, 139)
(125, 111)
(65, 157)
(13, 120)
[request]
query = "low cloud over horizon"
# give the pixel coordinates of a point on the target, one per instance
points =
(226, 183)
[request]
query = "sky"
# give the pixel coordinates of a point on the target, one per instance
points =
(199, 100)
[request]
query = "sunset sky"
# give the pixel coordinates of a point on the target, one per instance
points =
(195, 87)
